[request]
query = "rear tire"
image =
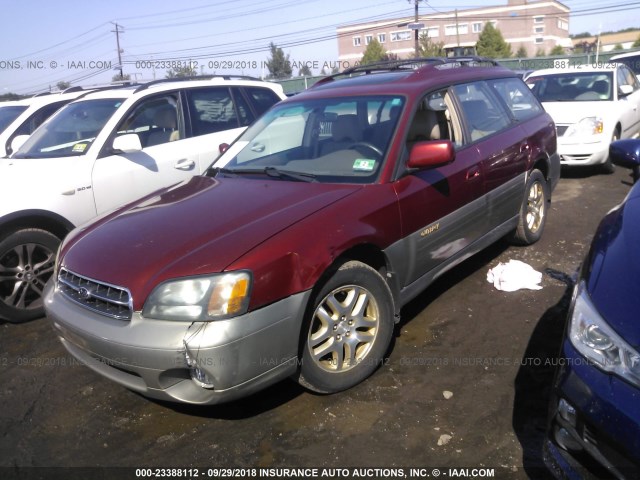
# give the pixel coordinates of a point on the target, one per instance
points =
(347, 330)
(27, 259)
(533, 211)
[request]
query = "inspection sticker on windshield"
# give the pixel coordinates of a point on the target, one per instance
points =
(79, 147)
(364, 164)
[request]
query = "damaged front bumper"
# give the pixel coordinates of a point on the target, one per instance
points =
(198, 363)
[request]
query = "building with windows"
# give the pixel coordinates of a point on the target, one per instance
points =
(537, 26)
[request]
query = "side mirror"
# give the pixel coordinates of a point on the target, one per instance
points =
(128, 143)
(431, 154)
(17, 142)
(624, 90)
(626, 153)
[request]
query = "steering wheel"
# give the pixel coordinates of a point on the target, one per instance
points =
(368, 145)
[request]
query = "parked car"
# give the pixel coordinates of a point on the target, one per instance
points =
(22, 117)
(294, 255)
(594, 427)
(101, 151)
(630, 59)
(591, 107)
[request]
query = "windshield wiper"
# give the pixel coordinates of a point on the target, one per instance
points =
(269, 171)
(299, 176)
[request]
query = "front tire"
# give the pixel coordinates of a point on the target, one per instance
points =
(608, 167)
(347, 330)
(27, 259)
(533, 211)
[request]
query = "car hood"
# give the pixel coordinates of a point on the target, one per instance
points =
(566, 113)
(200, 226)
(613, 277)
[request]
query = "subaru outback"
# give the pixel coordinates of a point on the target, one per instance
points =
(293, 255)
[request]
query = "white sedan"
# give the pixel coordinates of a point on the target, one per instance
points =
(591, 107)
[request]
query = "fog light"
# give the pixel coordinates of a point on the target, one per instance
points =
(565, 440)
(567, 412)
(198, 375)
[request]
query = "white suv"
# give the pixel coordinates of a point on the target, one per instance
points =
(104, 150)
(22, 117)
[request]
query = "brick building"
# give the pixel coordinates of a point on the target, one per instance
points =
(538, 25)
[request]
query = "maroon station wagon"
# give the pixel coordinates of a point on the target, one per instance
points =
(293, 255)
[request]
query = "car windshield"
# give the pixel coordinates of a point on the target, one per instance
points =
(9, 113)
(71, 131)
(331, 140)
(572, 86)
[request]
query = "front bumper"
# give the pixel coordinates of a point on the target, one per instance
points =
(241, 355)
(582, 153)
(602, 438)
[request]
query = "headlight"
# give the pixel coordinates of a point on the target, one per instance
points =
(599, 343)
(212, 297)
(586, 127)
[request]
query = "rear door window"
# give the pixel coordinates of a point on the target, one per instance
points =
(517, 97)
(212, 110)
(482, 115)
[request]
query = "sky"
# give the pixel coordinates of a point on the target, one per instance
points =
(75, 41)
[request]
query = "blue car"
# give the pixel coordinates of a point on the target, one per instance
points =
(594, 427)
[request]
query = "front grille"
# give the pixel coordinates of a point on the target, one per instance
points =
(561, 129)
(99, 297)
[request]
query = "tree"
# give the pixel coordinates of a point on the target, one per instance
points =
(305, 71)
(522, 52)
(557, 50)
(636, 44)
(617, 47)
(117, 78)
(374, 53)
(491, 43)
(541, 53)
(180, 72)
(63, 85)
(429, 48)
(278, 65)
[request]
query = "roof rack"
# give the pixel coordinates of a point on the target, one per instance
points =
(412, 64)
(198, 77)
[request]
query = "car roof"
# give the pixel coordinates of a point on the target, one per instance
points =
(167, 84)
(408, 76)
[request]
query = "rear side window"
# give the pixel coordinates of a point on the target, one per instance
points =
(481, 113)
(517, 97)
(262, 98)
(211, 110)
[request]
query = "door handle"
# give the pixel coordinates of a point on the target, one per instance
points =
(257, 147)
(185, 164)
(472, 173)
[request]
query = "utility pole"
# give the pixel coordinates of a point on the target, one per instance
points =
(416, 32)
(416, 26)
(117, 32)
